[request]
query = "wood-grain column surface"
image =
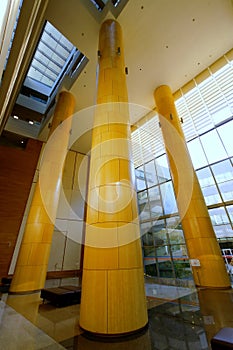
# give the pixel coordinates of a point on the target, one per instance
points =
(113, 297)
(31, 266)
(203, 249)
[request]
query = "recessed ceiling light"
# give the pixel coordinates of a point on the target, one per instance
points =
(22, 141)
(15, 117)
(31, 122)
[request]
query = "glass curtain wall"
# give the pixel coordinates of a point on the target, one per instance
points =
(164, 249)
(207, 113)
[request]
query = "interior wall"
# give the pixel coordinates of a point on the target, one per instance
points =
(16, 176)
(66, 249)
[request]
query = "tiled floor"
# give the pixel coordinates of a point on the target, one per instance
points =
(16, 332)
(179, 318)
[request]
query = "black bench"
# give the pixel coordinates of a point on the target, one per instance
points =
(62, 296)
(223, 340)
(5, 284)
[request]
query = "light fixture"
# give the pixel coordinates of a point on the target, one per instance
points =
(31, 122)
(15, 117)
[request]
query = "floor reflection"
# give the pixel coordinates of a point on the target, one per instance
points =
(178, 319)
(178, 325)
(217, 309)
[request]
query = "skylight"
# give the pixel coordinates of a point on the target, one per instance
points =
(100, 4)
(116, 2)
(56, 63)
(51, 56)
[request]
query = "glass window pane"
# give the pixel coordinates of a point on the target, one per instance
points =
(33, 73)
(205, 177)
(159, 233)
(178, 251)
(150, 268)
(211, 195)
(145, 227)
(174, 230)
(162, 169)
(168, 198)
(143, 205)
(226, 189)
(141, 184)
(163, 252)
(223, 231)
(155, 202)
(226, 131)
(54, 67)
(183, 269)
(213, 146)
(146, 233)
(197, 154)
(41, 57)
(229, 209)
(174, 222)
(147, 240)
(47, 81)
(151, 176)
(149, 251)
(165, 269)
(218, 216)
(222, 114)
(223, 171)
(140, 178)
(176, 236)
(50, 74)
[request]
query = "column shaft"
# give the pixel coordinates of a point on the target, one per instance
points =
(200, 237)
(113, 298)
(31, 266)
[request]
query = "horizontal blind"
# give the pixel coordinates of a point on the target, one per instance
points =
(224, 80)
(201, 108)
(187, 125)
(208, 103)
(147, 142)
(136, 148)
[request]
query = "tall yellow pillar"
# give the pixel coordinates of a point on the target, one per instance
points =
(113, 297)
(31, 266)
(203, 249)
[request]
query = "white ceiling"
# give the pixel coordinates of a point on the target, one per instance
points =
(166, 42)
